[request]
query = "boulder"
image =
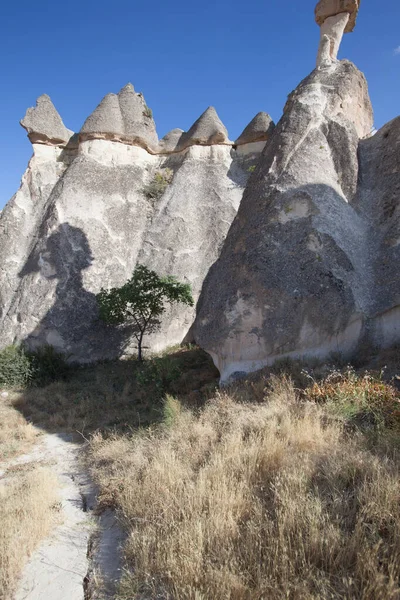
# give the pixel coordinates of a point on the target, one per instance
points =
(295, 265)
(259, 129)
(331, 8)
(44, 125)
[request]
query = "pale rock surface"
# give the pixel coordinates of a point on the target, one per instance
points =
(44, 124)
(122, 117)
(297, 264)
(207, 130)
(259, 129)
(332, 31)
(92, 223)
(22, 217)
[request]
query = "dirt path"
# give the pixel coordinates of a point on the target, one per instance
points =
(84, 549)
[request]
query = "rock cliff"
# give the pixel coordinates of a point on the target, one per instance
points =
(85, 214)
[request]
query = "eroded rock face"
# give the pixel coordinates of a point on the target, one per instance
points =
(82, 220)
(296, 276)
(44, 124)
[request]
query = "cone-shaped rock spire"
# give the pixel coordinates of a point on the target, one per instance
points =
(170, 141)
(206, 131)
(122, 117)
(44, 124)
(259, 129)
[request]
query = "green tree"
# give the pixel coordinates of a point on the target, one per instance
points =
(141, 301)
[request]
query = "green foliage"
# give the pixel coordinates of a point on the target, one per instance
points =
(251, 169)
(171, 410)
(15, 367)
(365, 399)
(159, 374)
(148, 112)
(157, 186)
(20, 367)
(141, 301)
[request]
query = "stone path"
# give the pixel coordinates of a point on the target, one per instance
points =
(84, 548)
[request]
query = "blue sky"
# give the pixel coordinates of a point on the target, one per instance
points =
(241, 57)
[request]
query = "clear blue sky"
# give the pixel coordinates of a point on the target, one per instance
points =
(241, 57)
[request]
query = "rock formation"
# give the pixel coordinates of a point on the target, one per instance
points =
(310, 264)
(82, 219)
(335, 17)
(296, 264)
(44, 125)
(305, 264)
(123, 117)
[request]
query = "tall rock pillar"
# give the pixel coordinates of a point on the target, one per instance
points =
(335, 17)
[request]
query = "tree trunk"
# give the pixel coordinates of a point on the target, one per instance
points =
(140, 341)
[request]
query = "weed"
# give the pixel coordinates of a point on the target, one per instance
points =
(157, 186)
(147, 112)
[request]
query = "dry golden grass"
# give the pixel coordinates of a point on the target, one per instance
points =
(28, 509)
(16, 434)
(271, 499)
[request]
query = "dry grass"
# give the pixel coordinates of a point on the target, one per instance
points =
(28, 509)
(118, 395)
(270, 499)
(16, 435)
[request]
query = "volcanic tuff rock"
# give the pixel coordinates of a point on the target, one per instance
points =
(82, 220)
(259, 129)
(170, 141)
(44, 124)
(207, 130)
(331, 8)
(302, 263)
(123, 117)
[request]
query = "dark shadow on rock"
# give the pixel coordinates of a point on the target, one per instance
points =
(71, 325)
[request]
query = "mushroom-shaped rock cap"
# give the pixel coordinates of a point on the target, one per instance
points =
(206, 131)
(258, 130)
(44, 124)
(331, 8)
(122, 117)
(170, 141)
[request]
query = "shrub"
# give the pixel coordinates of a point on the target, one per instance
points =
(362, 398)
(157, 186)
(15, 367)
(158, 373)
(251, 169)
(20, 367)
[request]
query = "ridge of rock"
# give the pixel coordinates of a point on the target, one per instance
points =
(44, 124)
(259, 129)
(208, 130)
(122, 117)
